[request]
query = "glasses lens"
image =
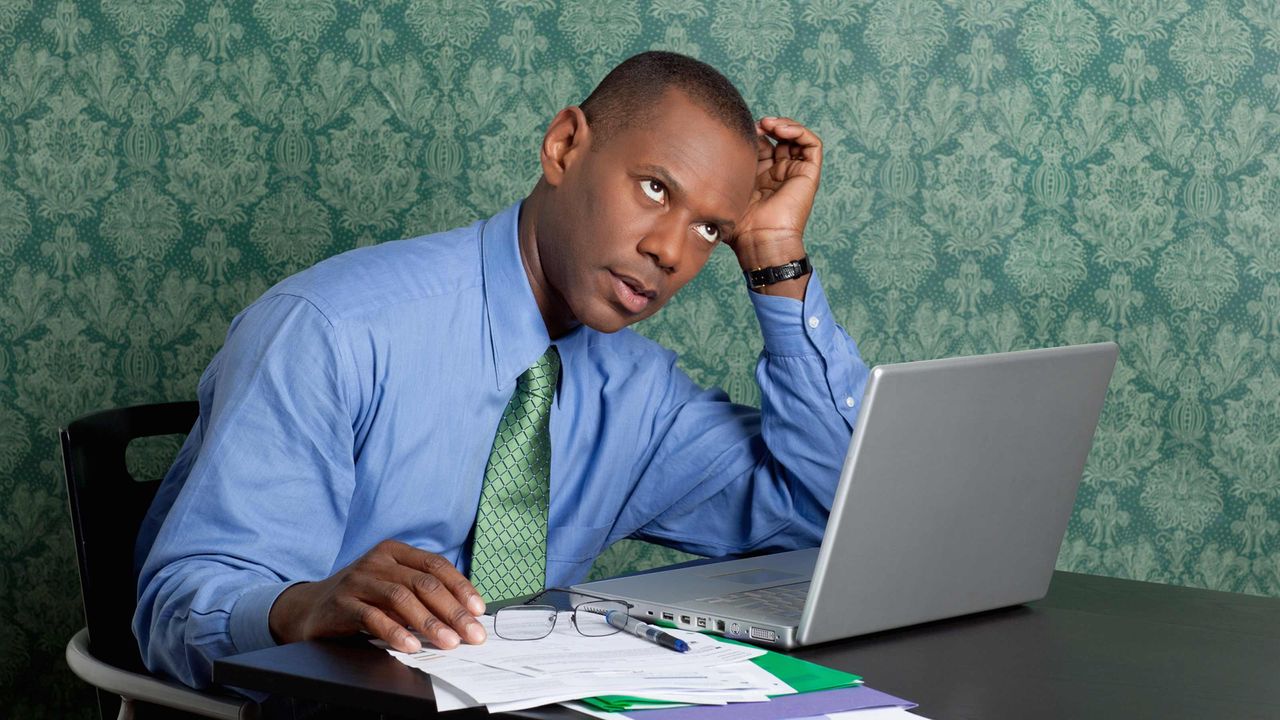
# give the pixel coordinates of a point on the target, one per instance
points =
(589, 617)
(524, 622)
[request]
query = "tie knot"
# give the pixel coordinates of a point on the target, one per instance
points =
(540, 378)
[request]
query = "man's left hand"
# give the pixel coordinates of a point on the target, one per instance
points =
(788, 169)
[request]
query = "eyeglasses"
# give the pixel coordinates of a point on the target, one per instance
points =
(532, 621)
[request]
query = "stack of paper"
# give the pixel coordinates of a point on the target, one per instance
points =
(851, 703)
(507, 675)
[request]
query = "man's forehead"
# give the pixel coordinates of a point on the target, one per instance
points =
(679, 127)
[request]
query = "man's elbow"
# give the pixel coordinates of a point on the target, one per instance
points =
(174, 647)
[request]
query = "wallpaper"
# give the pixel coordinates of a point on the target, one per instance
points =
(1000, 174)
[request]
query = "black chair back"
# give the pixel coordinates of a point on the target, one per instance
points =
(107, 508)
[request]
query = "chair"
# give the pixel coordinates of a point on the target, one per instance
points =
(107, 508)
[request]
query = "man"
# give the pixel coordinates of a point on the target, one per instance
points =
(395, 418)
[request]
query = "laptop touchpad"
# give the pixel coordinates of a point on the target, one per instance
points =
(756, 576)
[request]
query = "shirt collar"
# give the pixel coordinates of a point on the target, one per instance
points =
(517, 333)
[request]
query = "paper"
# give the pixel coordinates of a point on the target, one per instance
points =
(799, 675)
(803, 705)
(507, 675)
(764, 680)
(883, 713)
(449, 697)
(802, 675)
(502, 690)
(872, 712)
(585, 709)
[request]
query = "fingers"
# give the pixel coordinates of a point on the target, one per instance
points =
(795, 141)
(385, 607)
(784, 151)
(378, 624)
(443, 570)
(764, 152)
(437, 611)
(442, 603)
(391, 589)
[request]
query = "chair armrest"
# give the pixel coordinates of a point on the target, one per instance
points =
(151, 689)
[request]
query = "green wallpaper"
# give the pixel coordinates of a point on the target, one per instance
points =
(1000, 174)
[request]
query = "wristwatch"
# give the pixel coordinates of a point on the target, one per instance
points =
(760, 277)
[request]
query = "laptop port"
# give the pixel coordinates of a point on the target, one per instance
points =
(685, 619)
(702, 622)
(720, 625)
(764, 634)
(668, 616)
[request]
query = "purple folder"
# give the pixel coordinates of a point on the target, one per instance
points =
(801, 705)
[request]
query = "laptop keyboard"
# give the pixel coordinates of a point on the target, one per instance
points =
(780, 600)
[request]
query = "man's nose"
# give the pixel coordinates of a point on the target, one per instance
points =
(665, 243)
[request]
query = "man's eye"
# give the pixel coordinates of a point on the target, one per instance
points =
(709, 232)
(653, 189)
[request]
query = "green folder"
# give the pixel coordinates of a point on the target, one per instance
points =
(802, 675)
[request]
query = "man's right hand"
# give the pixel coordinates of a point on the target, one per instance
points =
(392, 587)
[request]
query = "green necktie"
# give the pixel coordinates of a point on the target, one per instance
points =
(509, 552)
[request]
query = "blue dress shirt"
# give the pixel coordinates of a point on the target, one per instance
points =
(357, 401)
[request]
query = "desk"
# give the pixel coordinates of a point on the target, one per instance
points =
(1093, 648)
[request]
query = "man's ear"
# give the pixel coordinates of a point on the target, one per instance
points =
(567, 137)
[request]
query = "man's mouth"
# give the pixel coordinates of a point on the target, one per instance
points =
(632, 293)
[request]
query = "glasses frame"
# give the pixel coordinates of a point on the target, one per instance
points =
(555, 612)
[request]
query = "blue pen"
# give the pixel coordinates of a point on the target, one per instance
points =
(625, 622)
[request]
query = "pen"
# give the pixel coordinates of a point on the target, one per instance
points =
(623, 621)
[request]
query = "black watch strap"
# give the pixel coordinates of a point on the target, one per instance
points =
(776, 274)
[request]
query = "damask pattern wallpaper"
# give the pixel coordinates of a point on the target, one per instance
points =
(1000, 174)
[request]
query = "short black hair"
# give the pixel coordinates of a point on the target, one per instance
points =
(631, 91)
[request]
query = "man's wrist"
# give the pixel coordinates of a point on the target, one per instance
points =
(766, 248)
(770, 248)
(249, 626)
(281, 618)
(762, 277)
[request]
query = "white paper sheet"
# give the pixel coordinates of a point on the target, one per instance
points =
(507, 675)
(496, 687)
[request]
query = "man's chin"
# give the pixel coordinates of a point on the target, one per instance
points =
(607, 326)
(606, 318)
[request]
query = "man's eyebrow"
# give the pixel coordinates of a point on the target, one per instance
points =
(661, 173)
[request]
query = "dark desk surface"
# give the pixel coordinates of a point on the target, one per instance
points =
(1093, 648)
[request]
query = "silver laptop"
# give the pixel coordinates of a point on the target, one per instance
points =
(954, 498)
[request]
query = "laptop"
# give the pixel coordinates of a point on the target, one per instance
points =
(954, 498)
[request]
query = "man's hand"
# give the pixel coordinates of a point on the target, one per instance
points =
(390, 588)
(771, 232)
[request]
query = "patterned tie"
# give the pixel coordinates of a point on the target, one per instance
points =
(509, 552)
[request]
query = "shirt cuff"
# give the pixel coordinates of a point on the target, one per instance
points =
(250, 626)
(793, 327)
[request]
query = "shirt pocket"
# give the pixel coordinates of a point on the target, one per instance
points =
(570, 551)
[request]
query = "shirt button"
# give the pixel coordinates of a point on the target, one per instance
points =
(848, 402)
(813, 321)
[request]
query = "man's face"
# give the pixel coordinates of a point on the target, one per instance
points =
(639, 215)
